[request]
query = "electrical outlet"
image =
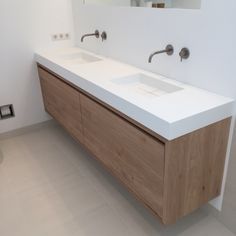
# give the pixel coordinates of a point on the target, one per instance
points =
(60, 36)
(54, 37)
(67, 36)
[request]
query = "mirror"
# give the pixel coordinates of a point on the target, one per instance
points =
(187, 4)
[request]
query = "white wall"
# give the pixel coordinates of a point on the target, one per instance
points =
(26, 26)
(109, 2)
(133, 33)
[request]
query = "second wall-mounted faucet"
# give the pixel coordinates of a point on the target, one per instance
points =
(169, 50)
(96, 34)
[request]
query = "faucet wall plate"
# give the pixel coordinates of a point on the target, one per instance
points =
(104, 36)
(97, 34)
(169, 50)
(184, 53)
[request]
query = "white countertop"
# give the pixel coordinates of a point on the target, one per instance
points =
(171, 115)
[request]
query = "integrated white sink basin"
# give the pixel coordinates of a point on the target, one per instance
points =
(79, 58)
(145, 85)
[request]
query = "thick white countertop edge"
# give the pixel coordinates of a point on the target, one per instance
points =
(200, 120)
(168, 130)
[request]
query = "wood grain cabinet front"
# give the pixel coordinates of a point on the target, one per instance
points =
(170, 177)
(62, 102)
(133, 156)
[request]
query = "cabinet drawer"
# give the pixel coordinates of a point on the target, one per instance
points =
(62, 102)
(132, 155)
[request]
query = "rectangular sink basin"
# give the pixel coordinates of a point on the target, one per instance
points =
(79, 58)
(145, 85)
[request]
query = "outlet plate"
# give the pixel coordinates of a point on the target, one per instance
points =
(60, 36)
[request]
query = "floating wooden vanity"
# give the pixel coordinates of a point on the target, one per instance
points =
(171, 178)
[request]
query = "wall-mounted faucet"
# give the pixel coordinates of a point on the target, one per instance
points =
(96, 34)
(169, 50)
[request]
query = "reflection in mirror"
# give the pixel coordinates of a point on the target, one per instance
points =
(189, 4)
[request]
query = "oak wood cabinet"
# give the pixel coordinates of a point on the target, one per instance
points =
(135, 157)
(171, 178)
(62, 102)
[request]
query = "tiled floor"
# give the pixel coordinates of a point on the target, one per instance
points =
(50, 186)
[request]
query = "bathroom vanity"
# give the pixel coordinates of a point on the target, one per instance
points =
(164, 141)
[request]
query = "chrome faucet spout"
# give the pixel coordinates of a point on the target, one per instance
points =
(96, 34)
(169, 50)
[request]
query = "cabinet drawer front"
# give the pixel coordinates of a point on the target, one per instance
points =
(62, 102)
(133, 156)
